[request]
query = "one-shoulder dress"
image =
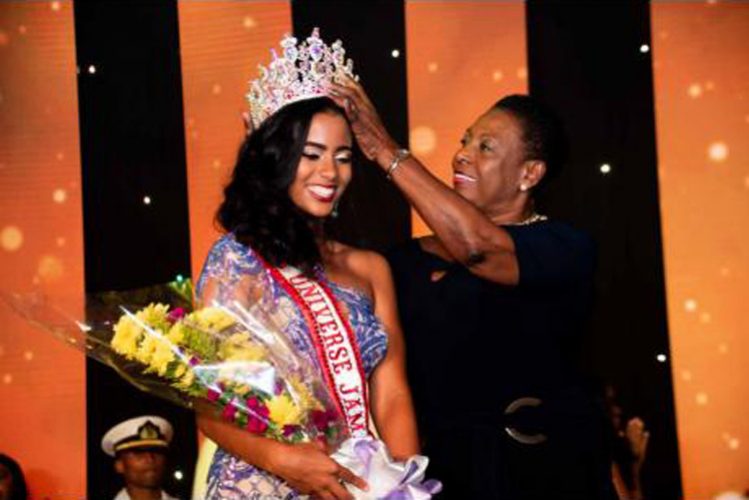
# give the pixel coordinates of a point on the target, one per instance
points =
(234, 271)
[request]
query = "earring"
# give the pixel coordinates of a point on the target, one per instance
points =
(523, 187)
(334, 212)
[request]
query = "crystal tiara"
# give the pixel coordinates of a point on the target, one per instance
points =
(304, 71)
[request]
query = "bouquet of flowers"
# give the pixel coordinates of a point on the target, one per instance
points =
(225, 358)
(229, 359)
(222, 355)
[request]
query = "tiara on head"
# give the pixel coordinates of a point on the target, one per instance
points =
(304, 71)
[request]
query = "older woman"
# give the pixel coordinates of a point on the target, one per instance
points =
(492, 306)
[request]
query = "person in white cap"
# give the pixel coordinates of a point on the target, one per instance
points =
(139, 446)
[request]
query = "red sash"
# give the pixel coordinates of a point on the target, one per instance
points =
(335, 344)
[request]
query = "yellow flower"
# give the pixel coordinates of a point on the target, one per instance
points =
(153, 314)
(241, 390)
(129, 330)
(283, 411)
(176, 333)
(305, 397)
(161, 356)
(239, 347)
(239, 338)
(211, 318)
(186, 380)
(251, 352)
(126, 336)
(146, 349)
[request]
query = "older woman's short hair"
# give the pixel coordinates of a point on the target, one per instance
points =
(543, 133)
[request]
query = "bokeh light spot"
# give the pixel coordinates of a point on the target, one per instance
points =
(249, 22)
(690, 305)
(50, 269)
(59, 196)
(423, 140)
(717, 151)
(694, 90)
(11, 238)
(701, 398)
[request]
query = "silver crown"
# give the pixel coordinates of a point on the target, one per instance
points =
(304, 71)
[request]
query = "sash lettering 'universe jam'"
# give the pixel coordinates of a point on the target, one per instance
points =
(335, 344)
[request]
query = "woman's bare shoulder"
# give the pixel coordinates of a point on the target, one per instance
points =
(362, 262)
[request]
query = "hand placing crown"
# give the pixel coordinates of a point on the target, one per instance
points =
(304, 71)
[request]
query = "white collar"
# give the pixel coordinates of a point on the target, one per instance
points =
(123, 495)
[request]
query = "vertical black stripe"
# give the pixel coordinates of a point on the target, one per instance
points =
(132, 146)
(373, 213)
(585, 60)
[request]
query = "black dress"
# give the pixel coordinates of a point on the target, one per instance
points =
(486, 361)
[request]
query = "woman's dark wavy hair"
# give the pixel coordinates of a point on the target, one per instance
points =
(19, 489)
(257, 207)
(543, 133)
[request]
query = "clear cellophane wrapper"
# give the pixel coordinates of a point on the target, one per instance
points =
(226, 358)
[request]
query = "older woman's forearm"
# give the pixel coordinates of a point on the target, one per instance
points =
(467, 233)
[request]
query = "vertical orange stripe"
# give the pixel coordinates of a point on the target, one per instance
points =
(42, 382)
(702, 115)
(222, 43)
(462, 58)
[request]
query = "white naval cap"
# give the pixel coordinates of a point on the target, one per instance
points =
(148, 431)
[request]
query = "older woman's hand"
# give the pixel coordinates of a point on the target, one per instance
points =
(371, 135)
(247, 120)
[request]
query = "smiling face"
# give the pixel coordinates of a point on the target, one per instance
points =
(488, 169)
(325, 167)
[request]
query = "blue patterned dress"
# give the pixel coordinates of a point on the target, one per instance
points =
(233, 271)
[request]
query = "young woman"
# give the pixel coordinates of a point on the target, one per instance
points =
(290, 174)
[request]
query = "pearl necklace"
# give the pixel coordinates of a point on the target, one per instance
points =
(531, 219)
